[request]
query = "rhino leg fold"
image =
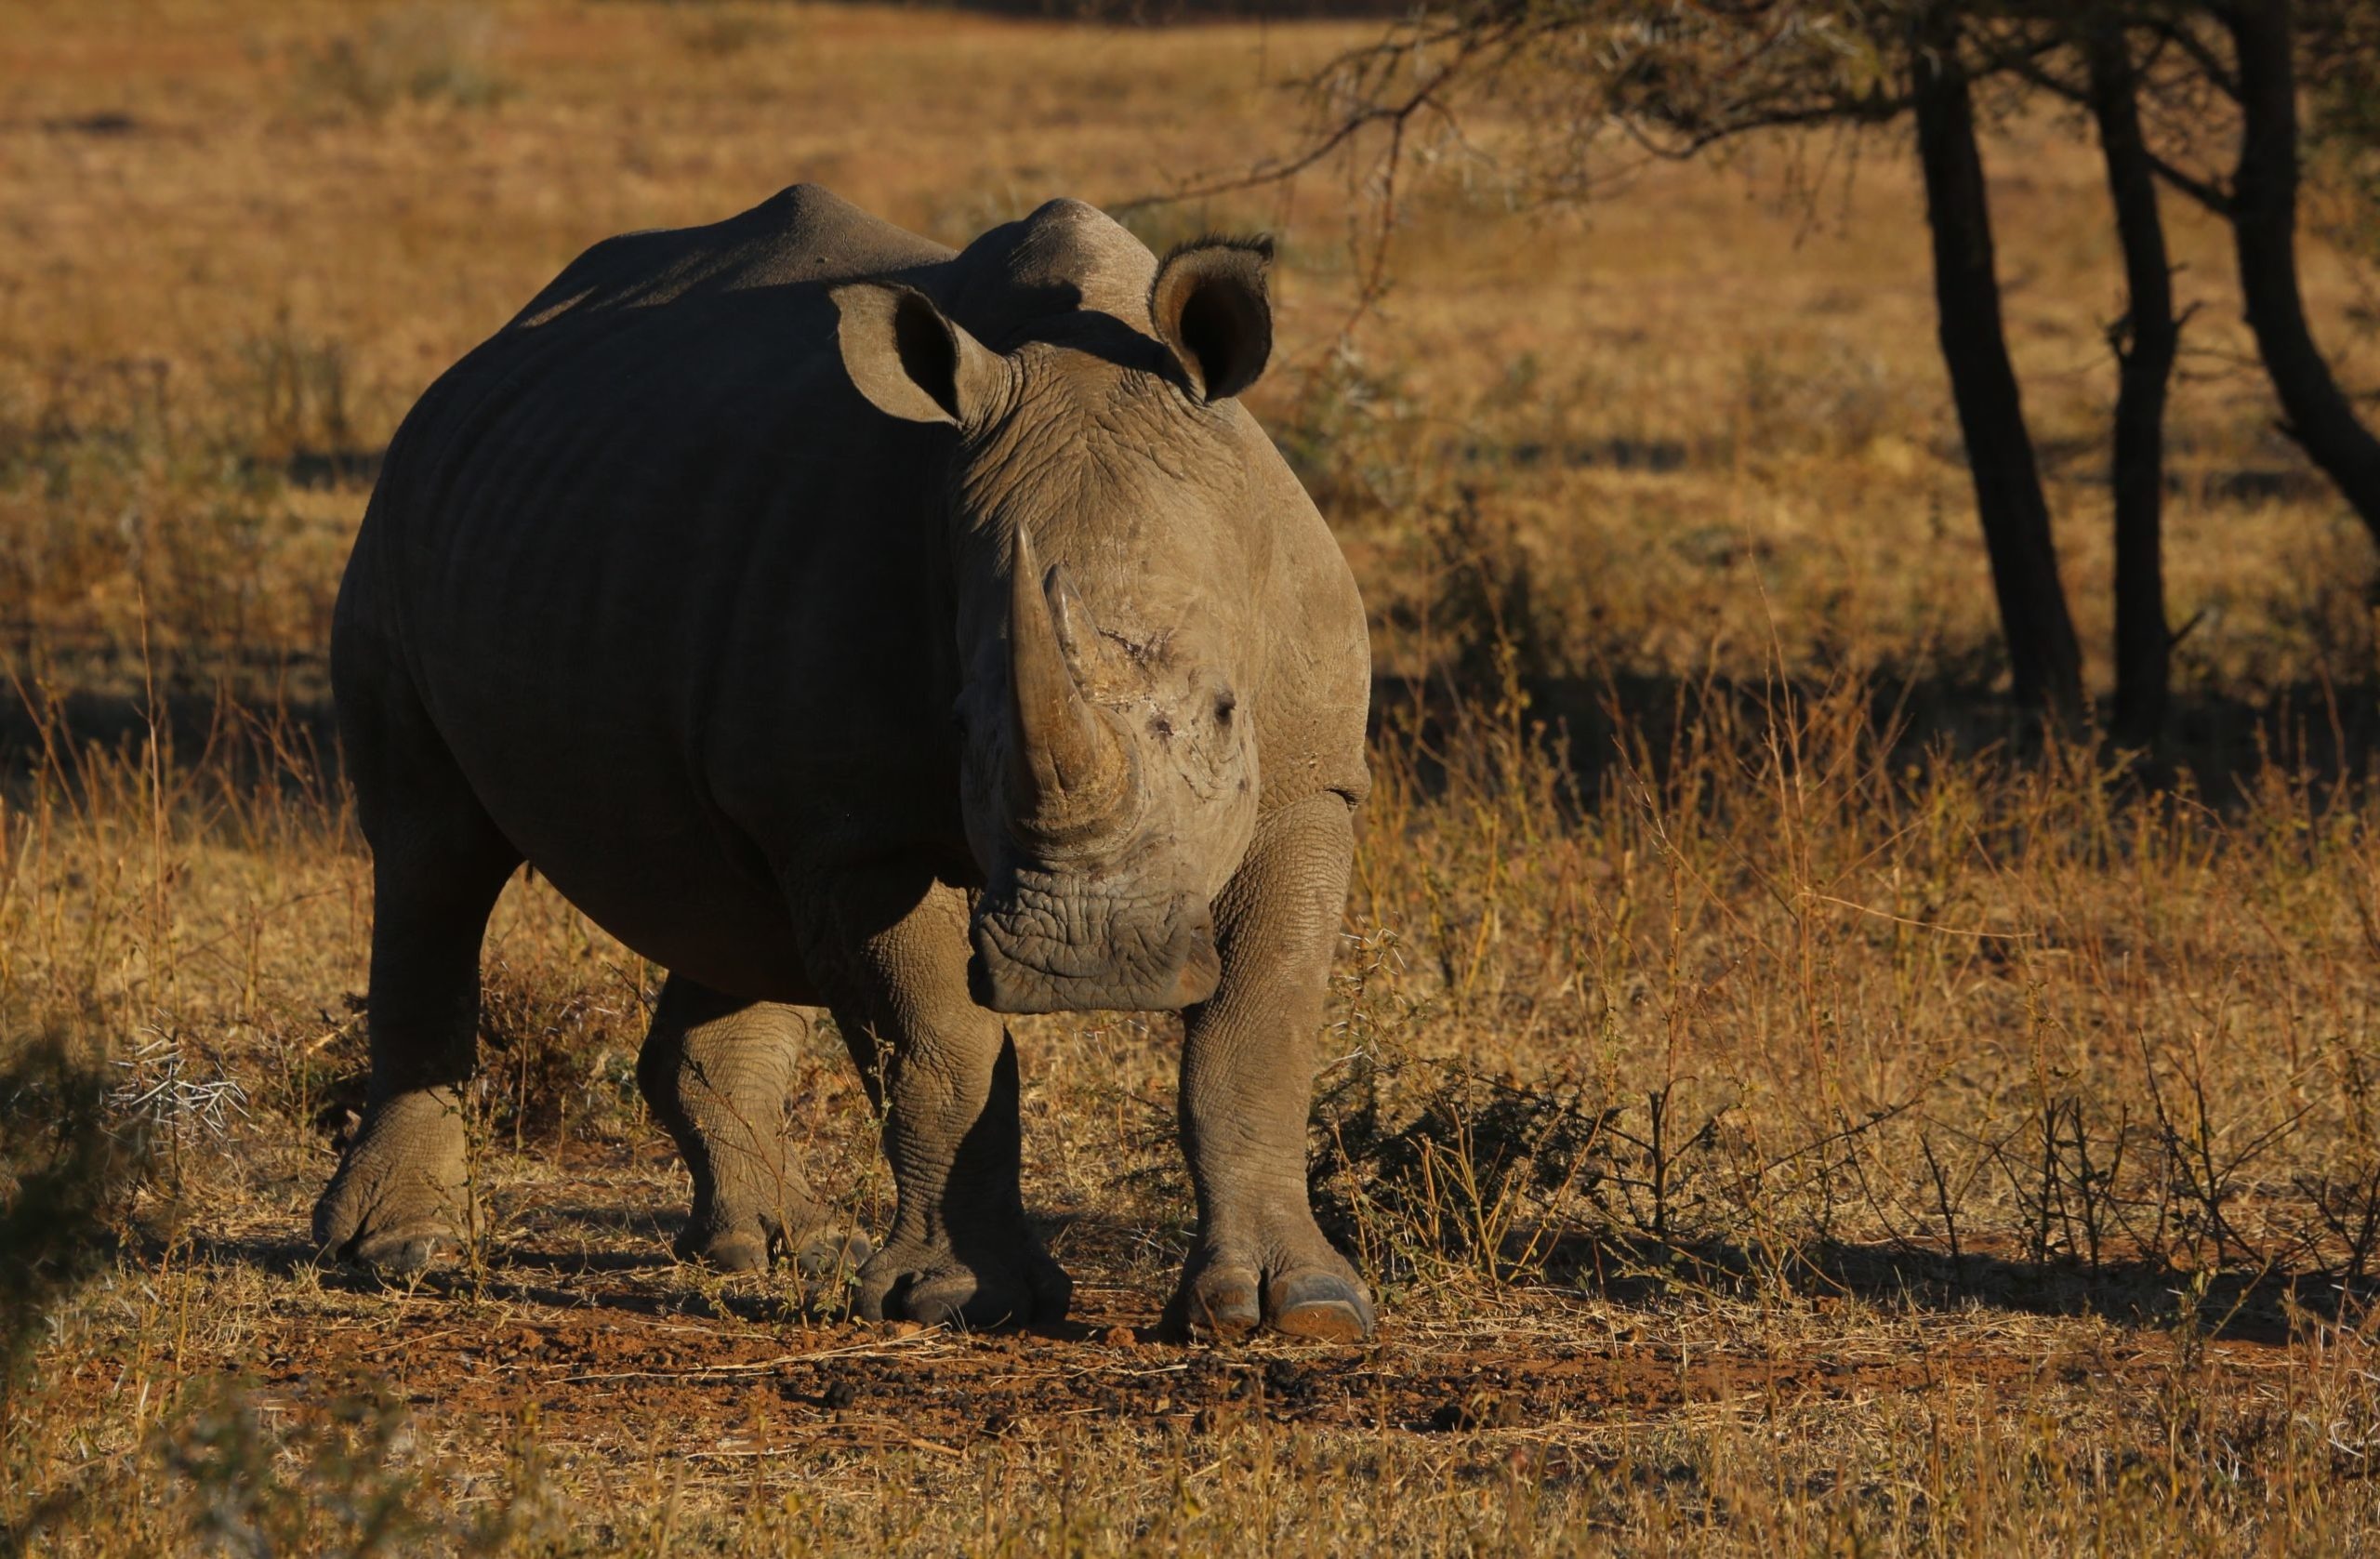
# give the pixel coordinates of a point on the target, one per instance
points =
(401, 1195)
(715, 1071)
(959, 1252)
(1247, 1083)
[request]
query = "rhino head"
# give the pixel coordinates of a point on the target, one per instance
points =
(1105, 537)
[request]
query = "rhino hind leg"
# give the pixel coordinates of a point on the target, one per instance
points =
(961, 1252)
(1260, 1259)
(716, 1070)
(401, 1197)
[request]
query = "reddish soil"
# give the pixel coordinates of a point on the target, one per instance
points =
(601, 1368)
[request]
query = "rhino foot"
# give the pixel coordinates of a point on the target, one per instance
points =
(397, 1203)
(972, 1289)
(750, 1247)
(1228, 1291)
(830, 1251)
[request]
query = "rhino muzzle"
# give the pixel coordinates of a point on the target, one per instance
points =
(1066, 948)
(1082, 912)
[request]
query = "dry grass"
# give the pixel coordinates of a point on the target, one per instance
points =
(1784, 1108)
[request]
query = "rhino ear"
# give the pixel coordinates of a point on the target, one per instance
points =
(1211, 304)
(909, 359)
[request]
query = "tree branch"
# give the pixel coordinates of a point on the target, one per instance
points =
(2213, 196)
(2210, 64)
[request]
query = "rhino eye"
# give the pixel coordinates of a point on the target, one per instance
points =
(1224, 703)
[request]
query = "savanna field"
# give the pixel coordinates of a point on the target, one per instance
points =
(1784, 1101)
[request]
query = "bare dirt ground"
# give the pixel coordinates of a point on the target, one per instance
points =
(574, 1386)
(637, 1377)
(584, 1318)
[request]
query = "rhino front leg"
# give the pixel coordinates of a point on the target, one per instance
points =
(959, 1253)
(1247, 1086)
(716, 1070)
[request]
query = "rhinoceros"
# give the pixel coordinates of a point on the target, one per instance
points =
(842, 621)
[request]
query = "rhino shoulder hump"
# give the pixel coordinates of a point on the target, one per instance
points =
(804, 233)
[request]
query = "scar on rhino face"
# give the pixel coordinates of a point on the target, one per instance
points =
(1142, 653)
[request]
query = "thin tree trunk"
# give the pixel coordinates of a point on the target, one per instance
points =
(2044, 662)
(2264, 230)
(2145, 341)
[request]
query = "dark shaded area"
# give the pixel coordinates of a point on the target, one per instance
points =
(66, 1172)
(2241, 1306)
(1640, 1197)
(592, 1219)
(266, 713)
(2079, 462)
(109, 122)
(1163, 13)
(512, 1275)
(338, 466)
(2249, 486)
(1659, 457)
(576, 1263)
(2237, 1305)
(2219, 744)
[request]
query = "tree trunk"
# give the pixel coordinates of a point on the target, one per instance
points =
(2146, 340)
(2044, 659)
(2264, 230)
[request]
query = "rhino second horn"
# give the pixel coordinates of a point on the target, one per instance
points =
(1070, 767)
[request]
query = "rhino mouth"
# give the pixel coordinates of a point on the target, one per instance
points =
(1051, 945)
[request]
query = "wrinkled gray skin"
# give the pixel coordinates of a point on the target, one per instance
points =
(841, 621)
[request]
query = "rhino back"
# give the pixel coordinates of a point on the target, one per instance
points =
(665, 584)
(802, 234)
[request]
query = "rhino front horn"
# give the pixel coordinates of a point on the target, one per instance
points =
(1068, 764)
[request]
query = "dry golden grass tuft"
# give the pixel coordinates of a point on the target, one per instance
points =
(1784, 1106)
